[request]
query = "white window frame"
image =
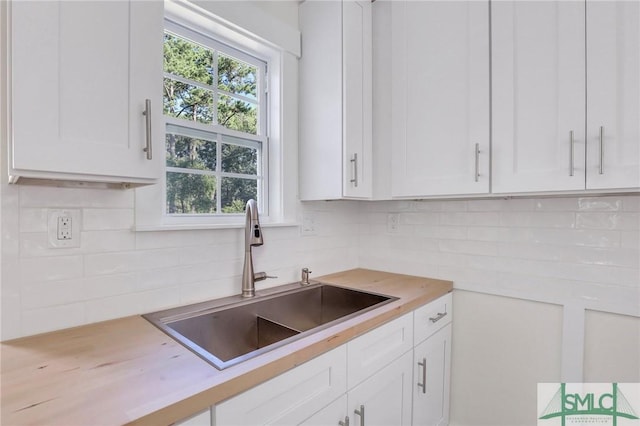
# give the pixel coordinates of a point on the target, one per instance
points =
(218, 133)
(279, 46)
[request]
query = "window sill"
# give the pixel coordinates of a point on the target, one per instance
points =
(202, 226)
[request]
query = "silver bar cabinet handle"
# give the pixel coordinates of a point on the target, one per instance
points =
(601, 150)
(571, 152)
(147, 114)
(477, 154)
(354, 160)
(438, 317)
(360, 413)
(423, 385)
(345, 422)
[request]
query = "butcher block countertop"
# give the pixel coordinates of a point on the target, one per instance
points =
(126, 371)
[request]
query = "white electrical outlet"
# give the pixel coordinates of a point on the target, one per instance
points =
(64, 228)
(393, 221)
(308, 224)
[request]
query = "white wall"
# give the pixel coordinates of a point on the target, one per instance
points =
(545, 290)
(118, 272)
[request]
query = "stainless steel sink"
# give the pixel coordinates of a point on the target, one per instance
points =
(228, 331)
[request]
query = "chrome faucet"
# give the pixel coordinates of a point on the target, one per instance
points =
(252, 237)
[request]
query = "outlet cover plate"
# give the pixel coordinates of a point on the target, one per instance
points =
(71, 234)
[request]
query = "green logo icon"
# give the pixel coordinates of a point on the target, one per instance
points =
(611, 403)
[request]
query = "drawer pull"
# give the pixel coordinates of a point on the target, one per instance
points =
(360, 413)
(345, 422)
(423, 385)
(438, 317)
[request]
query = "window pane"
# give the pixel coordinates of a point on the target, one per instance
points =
(239, 159)
(190, 153)
(189, 193)
(237, 77)
(188, 59)
(236, 192)
(237, 115)
(187, 102)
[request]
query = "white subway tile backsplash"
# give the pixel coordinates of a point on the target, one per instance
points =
(50, 268)
(51, 318)
(608, 220)
(33, 220)
(600, 204)
(107, 219)
(538, 219)
(550, 249)
(52, 197)
(52, 293)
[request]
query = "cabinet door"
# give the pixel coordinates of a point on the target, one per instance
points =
(613, 94)
(432, 368)
(335, 149)
(357, 97)
(80, 74)
(538, 95)
(291, 397)
(332, 414)
(440, 97)
(385, 398)
(201, 419)
(368, 353)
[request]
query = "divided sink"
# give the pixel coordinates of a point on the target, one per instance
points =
(228, 331)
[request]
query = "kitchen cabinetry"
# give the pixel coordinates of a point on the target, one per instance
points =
(440, 98)
(384, 398)
(539, 97)
(80, 75)
(432, 370)
(201, 419)
(289, 398)
(613, 94)
(432, 362)
(335, 100)
(372, 376)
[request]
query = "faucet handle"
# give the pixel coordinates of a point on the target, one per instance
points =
(259, 276)
(305, 276)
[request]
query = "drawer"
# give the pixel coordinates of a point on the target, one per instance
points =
(370, 352)
(291, 396)
(432, 317)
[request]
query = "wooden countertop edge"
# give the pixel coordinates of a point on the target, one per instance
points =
(214, 386)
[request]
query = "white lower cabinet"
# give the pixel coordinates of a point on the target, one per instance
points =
(291, 397)
(384, 398)
(432, 370)
(372, 380)
(203, 418)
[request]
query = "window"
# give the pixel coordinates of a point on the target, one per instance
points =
(215, 111)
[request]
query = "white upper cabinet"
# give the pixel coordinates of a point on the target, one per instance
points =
(538, 95)
(80, 74)
(613, 94)
(440, 97)
(542, 138)
(335, 100)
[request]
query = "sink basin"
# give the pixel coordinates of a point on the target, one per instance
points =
(228, 331)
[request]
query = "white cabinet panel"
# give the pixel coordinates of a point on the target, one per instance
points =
(538, 95)
(370, 352)
(440, 97)
(432, 370)
(335, 100)
(613, 94)
(385, 398)
(80, 74)
(201, 419)
(291, 397)
(332, 414)
(432, 317)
